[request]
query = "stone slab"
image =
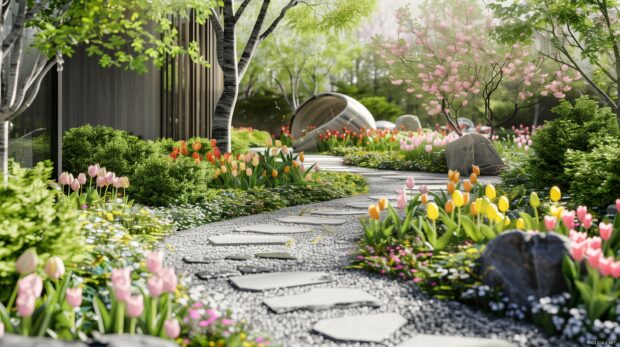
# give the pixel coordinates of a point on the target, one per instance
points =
(199, 260)
(322, 298)
(453, 341)
(337, 212)
(274, 280)
(364, 328)
(359, 204)
(391, 197)
(276, 255)
(273, 229)
(250, 269)
(237, 240)
(376, 173)
(239, 257)
(312, 220)
(209, 275)
(417, 178)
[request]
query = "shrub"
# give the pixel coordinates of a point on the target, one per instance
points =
(113, 149)
(381, 108)
(595, 175)
(252, 137)
(161, 181)
(429, 162)
(577, 128)
(30, 218)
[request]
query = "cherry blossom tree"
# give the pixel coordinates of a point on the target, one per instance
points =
(447, 57)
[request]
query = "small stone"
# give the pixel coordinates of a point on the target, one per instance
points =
(237, 239)
(274, 229)
(198, 260)
(424, 340)
(209, 275)
(239, 257)
(312, 220)
(276, 255)
(322, 298)
(275, 280)
(365, 328)
(250, 269)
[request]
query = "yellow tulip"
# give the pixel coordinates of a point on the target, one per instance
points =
(278, 143)
(555, 194)
(241, 166)
(503, 203)
(374, 211)
(489, 191)
(492, 212)
(248, 171)
(520, 224)
(556, 211)
(269, 142)
(432, 211)
(506, 221)
(383, 203)
(534, 200)
(458, 199)
(223, 169)
(255, 161)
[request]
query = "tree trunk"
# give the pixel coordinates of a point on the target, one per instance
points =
(4, 151)
(536, 116)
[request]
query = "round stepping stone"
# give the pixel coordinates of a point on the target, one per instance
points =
(312, 220)
(334, 212)
(274, 229)
(250, 269)
(365, 328)
(453, 341)
(209, 275)
(322, 299)
(275, 280)
(236, 240)
(276, 255)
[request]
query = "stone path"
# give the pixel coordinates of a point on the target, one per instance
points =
(285, 273)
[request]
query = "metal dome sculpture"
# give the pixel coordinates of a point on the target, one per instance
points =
(327, 111)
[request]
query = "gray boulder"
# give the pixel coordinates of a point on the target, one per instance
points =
(408, 123)
(384, 124)
(525, 264)
(473, 149)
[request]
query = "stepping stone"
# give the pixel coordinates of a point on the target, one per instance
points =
(321, 299)
(359, 204)
(312, 220)
(365, 328)
(249, 269)
(199, 260)
(375, 173)
(277, 255)
(417, 178)
(274, 229)
(209, 275)
(275, 280)
(239, 257)
(236, 240)
(453, 341)
(391, 197)
(337, 212)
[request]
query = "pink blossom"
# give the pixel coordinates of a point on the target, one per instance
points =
(568, 218)
(154, 262)
(172, 328)
(122, 292)
(81, 179)
(578, 250)
(401, 201)
(93, 170)
(428, 148)
(615, 269)
(410, 182)
(604, 266)
(25, 304)
(31, 285)
(618, 205)
(587, 221)
(64, 179)
(595, 242)
(423, 189)
(155, 285)
(581, 212)
(75, 185)
(170, 279)
(101, 181)
(74, 297)
(593, 256)
(193, 314)
(605, 230)
(550, 222)
(135, 306)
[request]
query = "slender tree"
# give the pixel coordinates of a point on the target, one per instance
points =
(35, 35)
(305, 15)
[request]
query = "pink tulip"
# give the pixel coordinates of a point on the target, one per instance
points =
(423, 190)
(75, 185)
(428, 148)
(30, 285)
(1, 329)
(587, 221)
(81, 179)
(101, 181)
(54, 268)
(63, 179)
(135, 306)
(568, 218)
(27, 262)
(172, 328)
(102, 172)
(155, 286)
(74, 297)
(154, 262)
(169, 278)
(93, 170)
(121, 276)
(594, 256)
(109, 178)
(605, 230)
(25, 304)
(576, 236)
(604, 266)
(595, 242)
(578, 251)
(316, 167)
(618, 205)
(550, 222)
(615, 269)
(410, 182)
(122, 292)
(581, 212)
(401, 201)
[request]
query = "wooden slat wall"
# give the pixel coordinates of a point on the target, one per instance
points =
(190, 92)
(110, 96)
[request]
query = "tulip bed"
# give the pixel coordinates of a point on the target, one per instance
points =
(85, 266)
(436, 243)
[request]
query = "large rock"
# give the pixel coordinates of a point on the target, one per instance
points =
(385, 124)
(473, 149)
(408, 123)
(525, 264)
(327, 111)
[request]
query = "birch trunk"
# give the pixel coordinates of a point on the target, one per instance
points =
(4, 151)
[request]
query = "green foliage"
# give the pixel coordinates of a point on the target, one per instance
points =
(381, 108)
(116, 150)
(340, 15)
(30, 218)
(245, 138)
(595, 175)
(162, 181)
(435, 162)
